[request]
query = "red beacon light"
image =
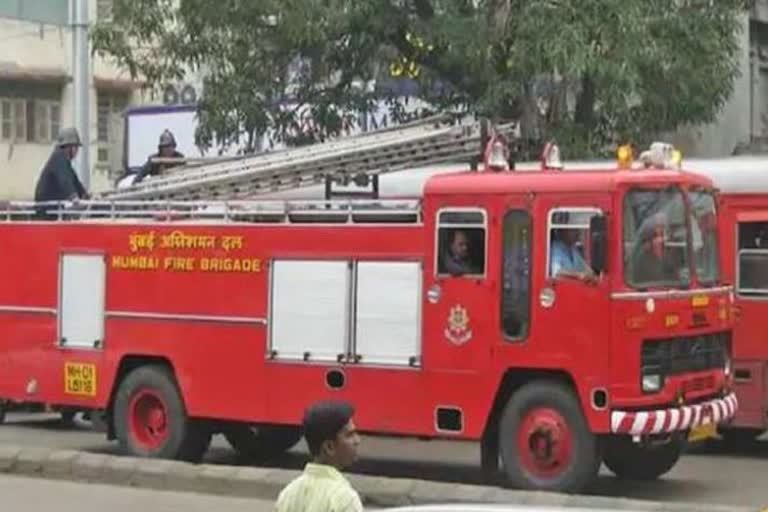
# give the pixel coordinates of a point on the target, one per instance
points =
(550, 157)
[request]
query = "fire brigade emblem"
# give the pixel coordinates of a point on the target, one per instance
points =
(457, 331)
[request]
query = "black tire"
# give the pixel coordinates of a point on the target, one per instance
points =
(576, 468)
(3, 410)
(181, 438)
(99, 422)
(740, 436)
(67, 417)
(260, 442)
(640, 461)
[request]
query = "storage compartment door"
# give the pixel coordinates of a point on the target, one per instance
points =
(388, 317)
(82, 281)
(309, 317)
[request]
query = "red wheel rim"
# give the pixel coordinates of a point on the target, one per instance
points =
(544, 443)
(148, 419)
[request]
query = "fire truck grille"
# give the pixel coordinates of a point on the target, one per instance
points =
(675, 356)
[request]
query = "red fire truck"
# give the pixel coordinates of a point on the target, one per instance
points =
(561, 319)
(743, 202)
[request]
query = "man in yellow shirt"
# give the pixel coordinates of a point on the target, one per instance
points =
(333, 443)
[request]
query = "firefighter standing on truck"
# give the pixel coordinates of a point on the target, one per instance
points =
(166, 148)
(58, 180)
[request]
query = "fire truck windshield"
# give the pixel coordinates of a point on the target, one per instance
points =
(655, 239)
(704, 236)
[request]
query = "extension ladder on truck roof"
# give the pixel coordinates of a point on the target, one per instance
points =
(383, 151)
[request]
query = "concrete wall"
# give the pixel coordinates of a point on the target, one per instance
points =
(733, 125)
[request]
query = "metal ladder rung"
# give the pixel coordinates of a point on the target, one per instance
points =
(245, 167)
(298, 167)
(327, 149)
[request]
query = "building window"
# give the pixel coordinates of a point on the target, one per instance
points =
(47, 120)
(29, 120)
(14, 119)
(55, 12)
(109, 126)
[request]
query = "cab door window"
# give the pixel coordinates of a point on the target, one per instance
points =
(752, 270)
(461, 243)
(569, 237)
(516, 269)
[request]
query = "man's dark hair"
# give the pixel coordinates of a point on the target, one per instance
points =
(323, 421)
(455, 234)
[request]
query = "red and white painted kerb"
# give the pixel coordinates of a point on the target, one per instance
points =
(664, 421)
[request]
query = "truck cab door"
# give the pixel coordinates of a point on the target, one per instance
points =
(459, 307)
(572, 306)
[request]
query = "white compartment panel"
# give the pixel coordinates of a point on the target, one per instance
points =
(81, 300)
(388, 327)
(309, 309)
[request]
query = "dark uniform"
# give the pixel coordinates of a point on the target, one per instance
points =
(151, 168)
(58, 180)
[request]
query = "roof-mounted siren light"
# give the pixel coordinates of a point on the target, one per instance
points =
(662, 155)
(496, 154)
(624, 156)
(550, 157)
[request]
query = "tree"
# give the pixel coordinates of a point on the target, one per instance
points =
(593, 72)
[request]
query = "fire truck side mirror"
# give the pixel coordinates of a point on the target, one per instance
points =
(598, 239)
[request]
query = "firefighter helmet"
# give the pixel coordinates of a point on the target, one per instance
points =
(167, 139)
(69, 137)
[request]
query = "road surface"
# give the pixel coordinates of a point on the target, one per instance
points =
(33, 495)
(717, 476)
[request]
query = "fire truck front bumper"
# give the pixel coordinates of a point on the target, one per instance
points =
(676, 419)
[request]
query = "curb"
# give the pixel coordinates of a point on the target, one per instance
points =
(266, 483)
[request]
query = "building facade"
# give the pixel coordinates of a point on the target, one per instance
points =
(37, 95)
(742, 125)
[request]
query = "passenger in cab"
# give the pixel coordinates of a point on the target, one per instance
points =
(566, 259)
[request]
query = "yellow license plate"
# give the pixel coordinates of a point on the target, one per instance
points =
(699, 301)
(80, 379)
(702, 432)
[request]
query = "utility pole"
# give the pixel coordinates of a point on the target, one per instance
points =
(81, 71)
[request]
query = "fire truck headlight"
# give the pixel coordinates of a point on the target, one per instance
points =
(727, 366)
(652, 382)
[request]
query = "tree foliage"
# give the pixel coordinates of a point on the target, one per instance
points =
(594, 72)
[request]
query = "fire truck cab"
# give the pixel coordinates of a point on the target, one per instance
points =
(562, 319)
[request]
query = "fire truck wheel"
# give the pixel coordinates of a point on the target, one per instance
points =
(151, 421)
(3, 410)
(261, 442)
(640, 461)
(545, 441)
